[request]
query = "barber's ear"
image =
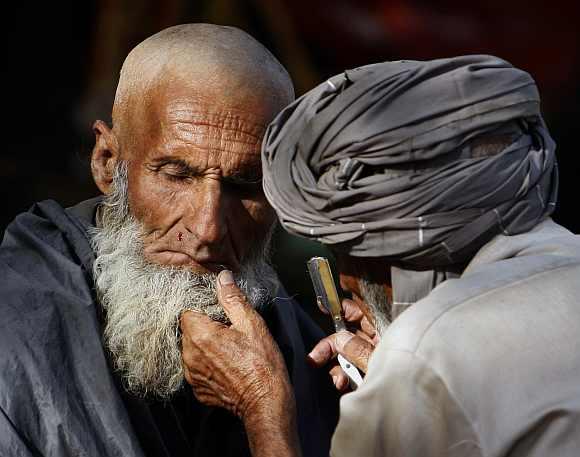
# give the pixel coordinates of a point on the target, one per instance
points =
(104, 157)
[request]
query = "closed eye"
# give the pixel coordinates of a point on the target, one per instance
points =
(174, 170)
(179, 171)
(177, 177)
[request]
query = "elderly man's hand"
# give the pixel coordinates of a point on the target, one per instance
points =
(241, 369)
(356, 347)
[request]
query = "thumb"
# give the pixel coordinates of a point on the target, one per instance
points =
(354, 348)
(233, 300)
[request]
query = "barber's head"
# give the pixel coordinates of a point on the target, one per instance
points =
(181, 173)
(406, 169)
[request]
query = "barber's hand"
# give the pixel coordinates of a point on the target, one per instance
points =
(237, 367)
(357, 347)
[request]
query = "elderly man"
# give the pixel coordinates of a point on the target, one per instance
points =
(433, 182)
(90, 360)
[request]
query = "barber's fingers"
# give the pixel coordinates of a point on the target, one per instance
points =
(368, 328)
(350, 310)
(357, 350)
(233, 301)
(364, 336)
(352, 313)
(339, 378)
(354, 348)
(326, 349)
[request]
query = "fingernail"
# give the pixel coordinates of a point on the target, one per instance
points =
(335, 380)
(226, 278)
(342, 338)
(313, 356)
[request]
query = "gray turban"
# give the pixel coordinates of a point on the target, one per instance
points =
(377, 162)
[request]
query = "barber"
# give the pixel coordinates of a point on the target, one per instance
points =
(433, 183)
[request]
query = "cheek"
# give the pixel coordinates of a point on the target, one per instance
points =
(150, 202)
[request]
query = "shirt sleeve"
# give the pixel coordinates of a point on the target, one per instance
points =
(402, 409)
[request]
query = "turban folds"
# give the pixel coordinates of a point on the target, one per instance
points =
(377, 161)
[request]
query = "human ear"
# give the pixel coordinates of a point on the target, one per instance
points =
(105, 156)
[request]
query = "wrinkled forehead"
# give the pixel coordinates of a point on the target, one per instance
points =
(216, 128)
(175, 92)
(236, 130)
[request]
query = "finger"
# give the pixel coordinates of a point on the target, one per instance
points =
(206, 397)
(352, 312)
(367, 327)
(339, 378)
(364, 336)
(233, 300)
(194, 323)
(326, 348)
(356, 350)
(322, 353)
(194, 379)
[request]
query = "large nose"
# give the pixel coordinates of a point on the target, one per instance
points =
(207, 221)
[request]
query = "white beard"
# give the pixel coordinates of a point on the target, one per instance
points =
(143, 301)
(380, 306)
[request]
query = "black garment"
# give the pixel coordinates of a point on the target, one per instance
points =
(58, 395)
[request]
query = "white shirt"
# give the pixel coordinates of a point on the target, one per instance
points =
(486, 365)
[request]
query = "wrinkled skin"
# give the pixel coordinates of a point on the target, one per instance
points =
(194, 170)
(359, 345)
(194, 174)
(194, 183)
(240, 368)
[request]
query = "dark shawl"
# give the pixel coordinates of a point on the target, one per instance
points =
(58, 394)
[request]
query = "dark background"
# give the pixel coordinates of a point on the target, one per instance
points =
(61, 60)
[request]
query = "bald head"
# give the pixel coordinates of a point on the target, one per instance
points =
(222, 63)
(191, 109)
